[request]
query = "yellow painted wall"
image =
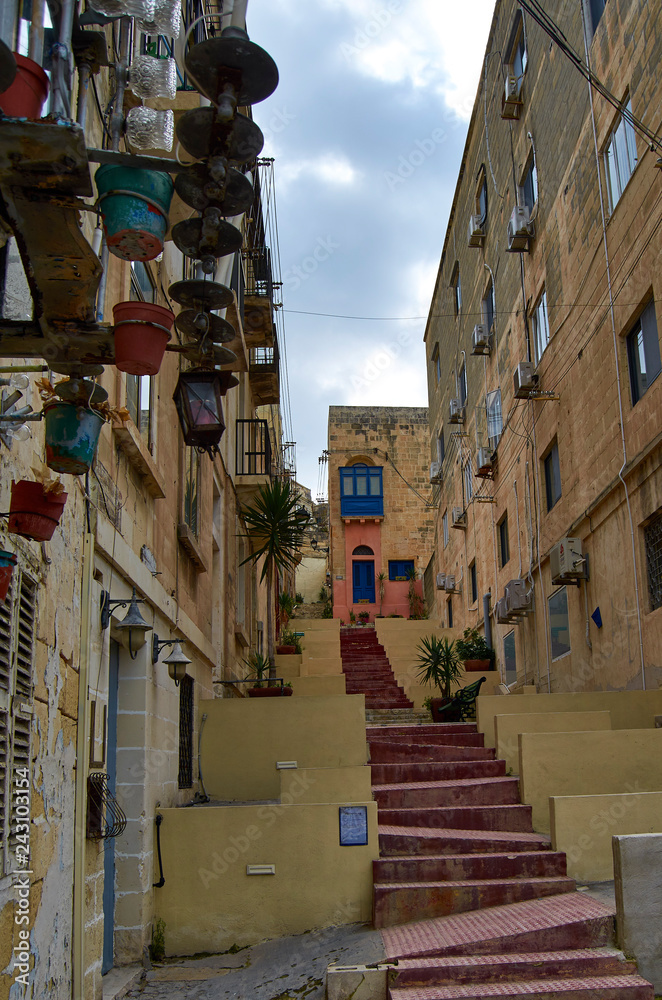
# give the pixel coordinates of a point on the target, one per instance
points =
(244, 737)
(316, 686)
(606, 762)
(583, 825)
(326, 784)
(629, 709)
(208, 901)
(508, 728)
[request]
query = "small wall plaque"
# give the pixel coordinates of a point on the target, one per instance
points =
(353, 825)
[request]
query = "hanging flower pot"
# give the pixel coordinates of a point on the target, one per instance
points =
(26, 96)
(33, 512)
(142, 331)
(72, 433)
(7, 563)
(134, 207)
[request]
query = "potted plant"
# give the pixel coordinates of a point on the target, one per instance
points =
(364, 617)
(381, 579)
(26, 95)
(286, 605)
(259, 665)
(74, 413)
(36, 508)
(416, 603)
(352, 617)
(439, 665)
(141, 333)
(289, 643)
(473, 649)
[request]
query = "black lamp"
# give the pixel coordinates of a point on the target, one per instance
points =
(177, 662)
(198, 400)
(133, 621)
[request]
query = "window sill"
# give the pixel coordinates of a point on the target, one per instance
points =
(138, 455)
(189, 543)
(241, 635)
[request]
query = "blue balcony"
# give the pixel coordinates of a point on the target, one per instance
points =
(361, 491)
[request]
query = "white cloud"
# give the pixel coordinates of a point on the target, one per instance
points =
(331, 169)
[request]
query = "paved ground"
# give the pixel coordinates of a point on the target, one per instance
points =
(291, 968)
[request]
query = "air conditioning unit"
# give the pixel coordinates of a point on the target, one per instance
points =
(449, 584)
(518, 596)
(435, 472)
(525, 379)
(476, 231)
(456, 411)
(520, 229)
(484, 462)
(441, 581)
(512, 100)
(480, 340)
(458, 518)
(566, 562)
(501, 612)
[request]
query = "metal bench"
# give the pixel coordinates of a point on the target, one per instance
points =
(463, 704)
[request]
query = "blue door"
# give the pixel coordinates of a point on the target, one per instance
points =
(363, 578)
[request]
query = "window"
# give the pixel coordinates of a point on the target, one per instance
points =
(186, 732)
(481, 197)
(462, 384)
(653, 547)
(559, 625)
(643, 348)
(494, 418)
(488, 308)
(449, 611)
(473, 582)
(468, 482)
(363, 550)
(509, 658)
(361, 491)
(517, 56)
(436, 364)
(142, 286)
(529, 185)
(552, 476)
(457, 289)
(620, 157)
(191, 489)
(595, 11)
(441, 447)
(540, 323)
(400, 569)
(139, 404)
(444, 524)
(17, 625)
(504, 545)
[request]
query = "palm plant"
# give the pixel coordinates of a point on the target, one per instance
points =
(275, 522)
(381, 578)
(439, 663)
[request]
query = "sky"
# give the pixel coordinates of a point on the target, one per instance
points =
(367, 128)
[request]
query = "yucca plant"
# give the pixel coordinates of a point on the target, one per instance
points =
(439, 663)
(275, 521)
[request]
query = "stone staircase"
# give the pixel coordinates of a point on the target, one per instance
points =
(367, 670)
(470, 901)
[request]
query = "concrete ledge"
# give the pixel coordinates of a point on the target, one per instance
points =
(583, 826)
(638, 885)
(508, 727)
(325, 684)
(344, 785)
(356, 982)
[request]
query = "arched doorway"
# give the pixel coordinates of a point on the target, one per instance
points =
(363, 575)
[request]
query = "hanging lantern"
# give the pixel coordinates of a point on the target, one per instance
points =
(198, 401)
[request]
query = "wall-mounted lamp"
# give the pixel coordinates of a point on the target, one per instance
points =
(198, 400)
(133, 620)
(177, 662)
(314, 544)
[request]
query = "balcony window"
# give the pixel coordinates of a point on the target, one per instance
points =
(552, 469)
(253, 456)
(494, 417)
(620, 157)
(361, 491)
(643, 347)
(540, 321)
(559, 623)
(529, 185)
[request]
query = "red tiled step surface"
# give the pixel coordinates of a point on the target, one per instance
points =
(418, 732)
(398, 840)
(398, 903)
(384, 752)
(557, 923)
(435, 739)
(591, 988)
(466, 792)
(435, 867)
(456, 970)
(398, 774)
(510, 817)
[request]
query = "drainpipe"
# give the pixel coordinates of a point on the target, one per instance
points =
(61, 73)
(82, 749)
(486, 619)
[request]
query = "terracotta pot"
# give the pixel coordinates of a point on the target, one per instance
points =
(450, 715)
(26, 96)
(142, 331)
(275, 692)
(282, 650)
(7, 563)
(72, 433)
(475, 665)
(33, 513)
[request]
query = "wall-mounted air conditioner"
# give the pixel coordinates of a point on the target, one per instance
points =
(480, 340)
(458, 518)
(484, 462)
(520, 229)
(501, 612)
(441, 581)
(518, 596)
(566, 562)
(512, 97)
(449, 584)
(435, 472)
(476, 231)
(525, 379)
(456, 411)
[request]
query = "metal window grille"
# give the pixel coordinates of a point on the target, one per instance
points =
(253, 456)
(186, 732)
(653, 545)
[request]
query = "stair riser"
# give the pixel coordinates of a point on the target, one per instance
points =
(398, 774)
(460, 795)
(576, 992)
(532, 865)
(396, 844)
(442, 739)
(404, 903)
(515, 818)
(416, 732)
(387, 753)
(515, 971)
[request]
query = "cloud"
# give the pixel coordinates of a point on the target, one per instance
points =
(329, 168)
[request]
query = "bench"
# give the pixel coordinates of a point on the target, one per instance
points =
(462, 705)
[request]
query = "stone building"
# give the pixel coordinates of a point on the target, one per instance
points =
(543, 355)
(381, 523)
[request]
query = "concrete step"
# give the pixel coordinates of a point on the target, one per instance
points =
(557, 923)
(457, 867)
(516, 818)
(589, 988)
(396, 774)
(394, 841)
(456, 970)
(399, 903)
(384, 752)
(458, 792)
(416, 732)
(444, 738)
(412, 716)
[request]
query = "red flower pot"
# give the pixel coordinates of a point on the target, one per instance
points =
(33, 513)
(282, 650)
(26, 96)
(473, 665)
(275, 692)
(7, 563)
(142, 331)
